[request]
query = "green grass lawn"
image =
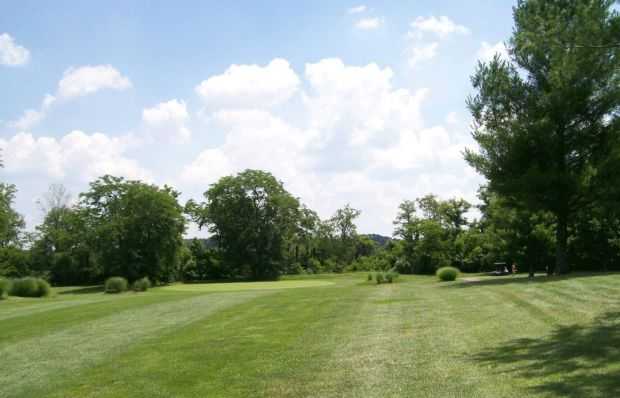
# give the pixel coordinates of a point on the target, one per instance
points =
(329, 336)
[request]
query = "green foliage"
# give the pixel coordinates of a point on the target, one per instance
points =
(203, 263)
(135, 228)
(11, 223)
(30, 287)
(5, 287)
(115, 284)
(546, 120)
(15, 262)
(140, 285)
(64, 247)
(379, 261)
(428, 229)
(446, 274)
(252, 216)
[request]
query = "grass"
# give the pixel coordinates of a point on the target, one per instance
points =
(338, 336)
(240, 286)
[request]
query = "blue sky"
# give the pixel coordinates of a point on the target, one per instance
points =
(360, 102)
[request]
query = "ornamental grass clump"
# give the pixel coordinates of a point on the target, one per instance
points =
(116, 284)
(30, 287)
(141, 285)
(446, 274)
(5, 288)
(384, 276)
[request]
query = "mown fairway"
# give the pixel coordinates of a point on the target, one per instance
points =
(346, 338)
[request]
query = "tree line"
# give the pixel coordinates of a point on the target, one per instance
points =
(260, 231)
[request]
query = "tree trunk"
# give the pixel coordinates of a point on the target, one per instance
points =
(561, 261)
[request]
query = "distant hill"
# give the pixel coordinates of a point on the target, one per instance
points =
(379, 239)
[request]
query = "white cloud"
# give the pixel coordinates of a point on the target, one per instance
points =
(356, 138)
(488, 51)
(11, 53)
(440, 26)
(358, 105)
(369, 23)
(85, 80)
(452, 118)
(353, 135)
(357, 10)
(168, 119)
(254, 139)
(76, 82)
(32, 117)
(76, 155)
(421, 53)
(421, 48)
(250, 86)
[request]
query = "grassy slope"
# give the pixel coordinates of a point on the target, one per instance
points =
(493, 338)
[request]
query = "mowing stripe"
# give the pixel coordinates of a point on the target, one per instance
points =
(39, 323)
(39, 362)
(241, 286)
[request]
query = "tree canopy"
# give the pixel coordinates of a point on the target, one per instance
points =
(545, 120)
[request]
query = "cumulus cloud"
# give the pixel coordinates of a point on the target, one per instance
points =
(168, 119)
(369, 23)
(420, 47)
(250, 86)
(355, 138)
(32, 117)
(254, 139)
(441, 26)
(422, 52)
(11, 53)
(357, 104)
(85, 80)
(488, 51)
(76, 82)
(76, 155)
(357, 10)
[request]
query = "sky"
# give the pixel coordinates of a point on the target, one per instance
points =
(343, 101)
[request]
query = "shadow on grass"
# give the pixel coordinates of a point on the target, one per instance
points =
(574, 361)
(83, 290)
(510, 280)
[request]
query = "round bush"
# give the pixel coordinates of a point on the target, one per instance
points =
(115, 284)
(5, 288)
(30, 287)
(141, 285)
(447, 273)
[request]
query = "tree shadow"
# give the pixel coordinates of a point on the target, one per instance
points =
(519, 279)
(83, 290)
(574, 361)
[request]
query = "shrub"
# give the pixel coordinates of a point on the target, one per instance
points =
(447, 273)
(141, 285)
(379, 278)
(369, 277)
(115, 284)
(5, 288)
(391, 276)
(30, 287)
